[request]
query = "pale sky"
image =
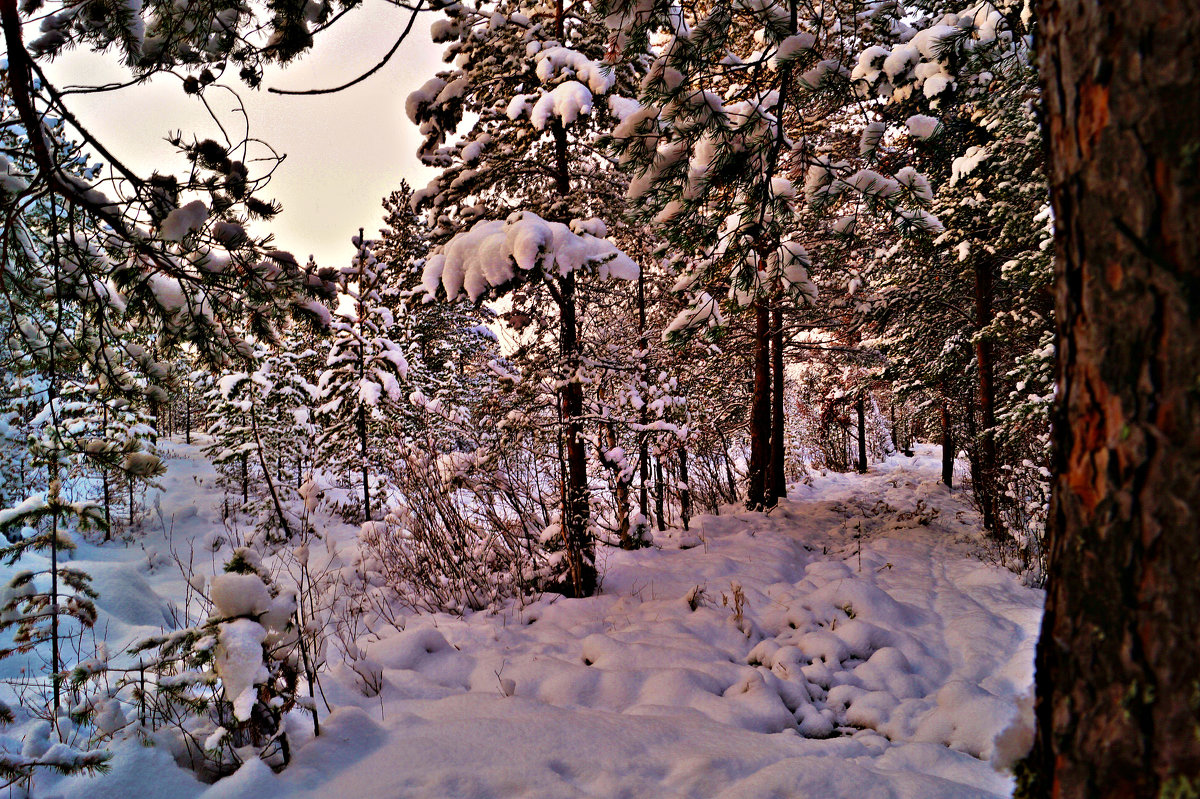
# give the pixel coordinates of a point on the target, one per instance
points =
(345, 152)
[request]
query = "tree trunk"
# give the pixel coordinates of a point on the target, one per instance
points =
(778, 475)
(947, 448)
(685, 491)
(985, 478)
(1118, 700)
(760, 410)
(659, 496)
(729, 478)
(360, 424)
(580, 547)
(862, 435)
(643, 415)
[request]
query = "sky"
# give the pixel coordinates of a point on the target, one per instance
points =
(345, 152)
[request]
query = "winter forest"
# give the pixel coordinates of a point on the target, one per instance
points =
(764, 398)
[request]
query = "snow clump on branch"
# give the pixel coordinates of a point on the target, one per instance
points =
(489, 254)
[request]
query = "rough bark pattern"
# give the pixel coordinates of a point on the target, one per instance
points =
(1118, 665)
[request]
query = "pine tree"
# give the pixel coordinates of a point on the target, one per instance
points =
(527, 182)
(236, 672)
(365, 367)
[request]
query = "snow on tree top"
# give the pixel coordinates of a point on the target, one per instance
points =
(567, 101)
(552, 61)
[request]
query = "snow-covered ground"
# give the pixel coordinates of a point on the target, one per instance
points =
(855, 642)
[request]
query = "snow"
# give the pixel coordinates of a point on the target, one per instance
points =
(183, 221)
(490, 253)
(239, 595)
(855, 641)
(239, 662)
(922, 126)
(566, 101)
(966, 163)
(792, 46)
(553, 61)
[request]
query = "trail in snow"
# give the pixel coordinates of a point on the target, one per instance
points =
(852, 643)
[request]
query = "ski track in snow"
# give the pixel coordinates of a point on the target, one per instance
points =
(877, 655)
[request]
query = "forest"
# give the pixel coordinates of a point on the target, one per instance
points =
(763, 398)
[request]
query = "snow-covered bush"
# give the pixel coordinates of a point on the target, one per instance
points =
(217, 692)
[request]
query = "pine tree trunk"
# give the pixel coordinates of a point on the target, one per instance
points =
(659, 496)
(1118, 666)
(643, 417)
(862, 435)
(580, 547)
(778, 475)
(360, 424)
(729, 478)
(760, 410)
(620, 485)
(947, 448)
(685, 491)
(986, 476)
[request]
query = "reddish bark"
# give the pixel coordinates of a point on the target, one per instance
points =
(1118, 666)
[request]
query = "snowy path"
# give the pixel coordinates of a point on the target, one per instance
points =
(808, 662)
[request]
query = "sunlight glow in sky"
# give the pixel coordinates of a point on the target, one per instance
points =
(345, 152)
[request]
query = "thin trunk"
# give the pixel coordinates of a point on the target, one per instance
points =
(361, 425)
(581, 549)
(620, 489)
(659, 491)
(685, 491)
(778, 475)
(895, 431)
(1117, 661)
(361, 420)
(283, 522)
(104, 479)
(643, 443)
(760, 410)
(862, 435)
(107, 506)
(55, 657)
(947, 448)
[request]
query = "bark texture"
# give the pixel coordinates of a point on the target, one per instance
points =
(1118, 666)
